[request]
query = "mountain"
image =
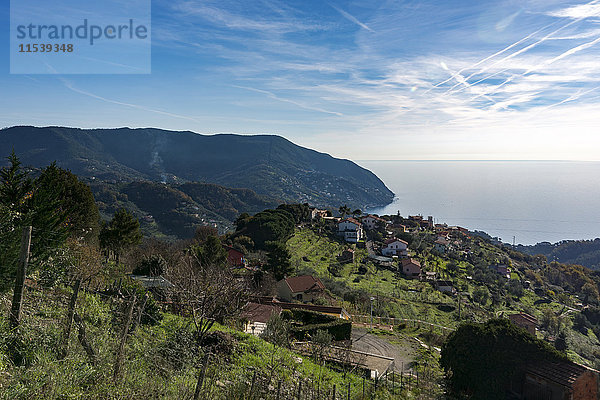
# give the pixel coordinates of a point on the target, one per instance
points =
(580, 252)
(268, 164)
(168, 210)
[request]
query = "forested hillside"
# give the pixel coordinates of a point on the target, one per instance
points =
(268, 164)
(582, 252)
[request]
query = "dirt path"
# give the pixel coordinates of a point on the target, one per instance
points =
(400, 349)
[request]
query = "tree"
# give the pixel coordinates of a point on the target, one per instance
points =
(561, 341)
(481, 295)
(278, 260)
(76, 201)
(515, 288)
(344, 210)
(243, 244)
(470, 351)
(16, 186)
(121, 233)
(277, 331)
(590, 291)
(268, 225)
(300, 212)
(210, 292)
(27, 202)
(155, 265)
(241, 221)
(204, 231)
(211, 252)
(356, 213)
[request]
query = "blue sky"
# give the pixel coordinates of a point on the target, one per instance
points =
(360, 80)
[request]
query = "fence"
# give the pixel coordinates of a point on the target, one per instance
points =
(390, 321)
(256, 384)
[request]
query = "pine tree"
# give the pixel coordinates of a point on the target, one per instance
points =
(121, 233)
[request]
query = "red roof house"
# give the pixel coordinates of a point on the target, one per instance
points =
(303, 288)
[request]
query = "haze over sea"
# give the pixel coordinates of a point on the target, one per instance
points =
(533, 201)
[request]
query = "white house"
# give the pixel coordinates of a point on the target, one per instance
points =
(351, 230)
(371, 221)
(395, 247)
(256, 316)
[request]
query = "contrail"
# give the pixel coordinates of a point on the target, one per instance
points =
(516, 53)
(70, 86)
(275, 97)
(493, 55)
(571, 98)
(527, 48)
(545, 63)
(461, 80)
(351, 18)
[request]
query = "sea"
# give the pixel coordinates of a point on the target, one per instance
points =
(522, 202)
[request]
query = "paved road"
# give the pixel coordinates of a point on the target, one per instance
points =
(401, 350)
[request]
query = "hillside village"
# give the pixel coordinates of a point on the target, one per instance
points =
(295, 302)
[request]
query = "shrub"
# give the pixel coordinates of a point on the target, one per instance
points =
(339, 330)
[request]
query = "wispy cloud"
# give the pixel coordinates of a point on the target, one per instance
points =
(294, 102)
(69, 85)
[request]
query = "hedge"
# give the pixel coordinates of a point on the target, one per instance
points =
(339, 330)
(307, 317)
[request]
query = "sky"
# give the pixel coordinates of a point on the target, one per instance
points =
(376, 80)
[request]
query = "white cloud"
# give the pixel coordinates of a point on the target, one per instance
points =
(588, 10)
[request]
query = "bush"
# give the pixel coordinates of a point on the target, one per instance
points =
(339, 330)
(128, 288)
(177, 351)
(307, 317)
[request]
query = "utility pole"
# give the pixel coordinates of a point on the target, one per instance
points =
(372, 298)
(17, 303)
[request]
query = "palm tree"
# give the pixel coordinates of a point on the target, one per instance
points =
(356, 212)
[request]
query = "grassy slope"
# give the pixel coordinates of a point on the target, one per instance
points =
(402, 298)
(157, 363)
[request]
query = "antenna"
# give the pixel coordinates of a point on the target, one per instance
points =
(513, 241)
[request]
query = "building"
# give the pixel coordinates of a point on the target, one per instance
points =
(315, 213)
(563, 380)
(395, 247)
(371, 221)
(235, 257)
(524, 320)
(441, 244)
(257, 315)
(429, 276)
(445, 287)
(401, 228)
(502, 270)
(303, 288)
(411, 268)
(351, 230)
(347, 256)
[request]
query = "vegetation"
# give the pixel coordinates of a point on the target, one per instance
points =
(481, 359)
(121, 233)
(580, 252)
(133, 341)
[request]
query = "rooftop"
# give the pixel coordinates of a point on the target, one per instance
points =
(304, 283)
(564, 373)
